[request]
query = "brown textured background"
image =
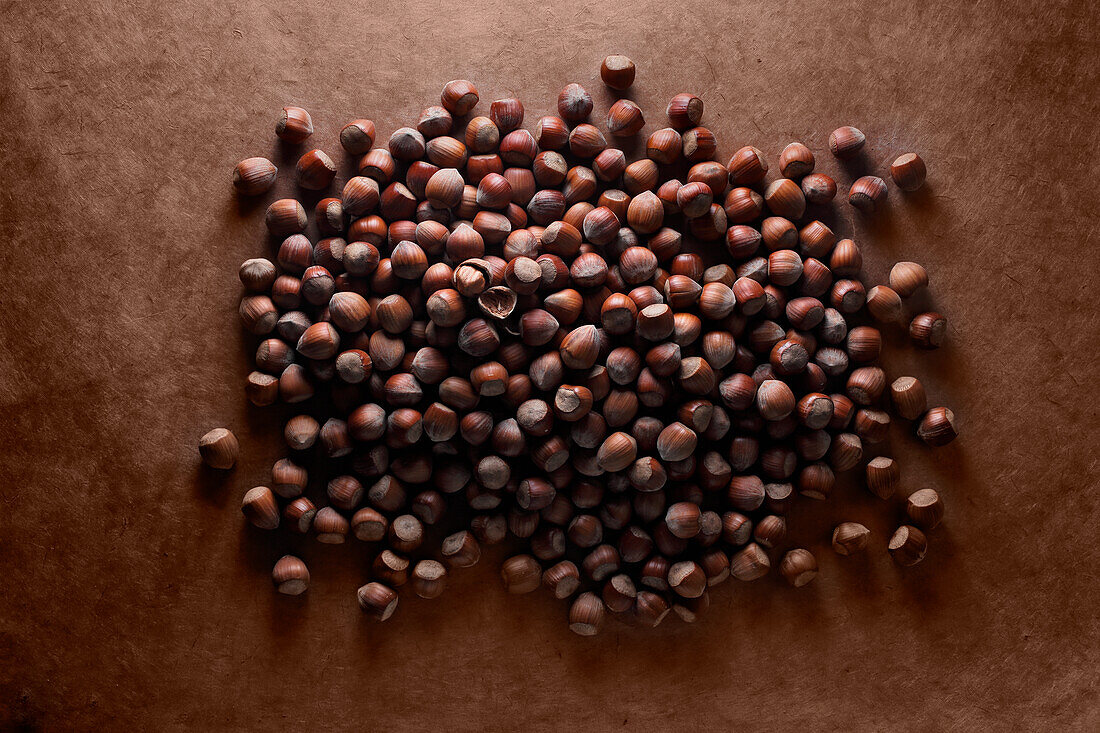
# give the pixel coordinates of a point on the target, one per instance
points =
(133, 594)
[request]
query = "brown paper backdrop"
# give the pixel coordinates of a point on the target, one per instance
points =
(133, 594)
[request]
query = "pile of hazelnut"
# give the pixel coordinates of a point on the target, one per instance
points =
(626, 371)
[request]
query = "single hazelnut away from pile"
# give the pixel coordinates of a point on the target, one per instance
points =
(624, 371)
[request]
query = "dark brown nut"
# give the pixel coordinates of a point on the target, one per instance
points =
(867, 194)
(818, 188)
(799, 567)
(290, 575)
(563, 579)
(937, 427)
(908, 171)
(698, 144)
(586, 614)
(925, 508)
(928, 330)
(260, 508)
(750, 563)
(908, 397)
(294, 125)
(574, 103)
(460, 550)
(617, 72)
(664, 146)
(687, 579)
(285, 217)
(846, 142)
(908, 546)
(796, 161)
(907, 278)
(219, 449)
(883, 476)
(377, 600)
(521, 574)
(685, 110)
(747, 167)
(784, 198)
(850, 538)
(459, 97)
(254, 176)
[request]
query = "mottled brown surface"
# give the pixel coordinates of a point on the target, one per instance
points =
(134, 596)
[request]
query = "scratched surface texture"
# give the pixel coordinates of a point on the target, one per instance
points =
(134, 596)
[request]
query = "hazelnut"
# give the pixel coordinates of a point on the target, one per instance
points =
(743, 205)
(774, 400)
(641, 175)
(664, 146)
(617, 72)
(482, 136)
(586, 614)
(219, 449)
(434, 121)
(687, 579)
(796, 161)
(378, 164)
(260, 508)
(818, 188)
(521, 574)
(884, 304)
(937, 427)
(850, 538)
(254, 176)
(301, 432)
(683, 520)
(925, 508)
(866, 384)
(698, 144)
(867, 194)
(908, 171)
(285, 217)
(928, 330)
(315, 170)
(506, 114)
(574, 103)
(645, 213)
(784, 198)
(377, 600)
(429, 578)
(883, 476)
(458, 97)
(294, 125)
(562, 579)
(694, 199)
(908, 546)
(685, 110)
(747, 167)
(357, 137)
(290, 575)
(625, 118)
(391, 568)
(406, 144)
(770, 530)
(676, 442)
(750, 563)
(908, 396)
(369, 525)
(846, 142)
(799, 567)
(551, 133)
(299, 514)
(907, 278)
